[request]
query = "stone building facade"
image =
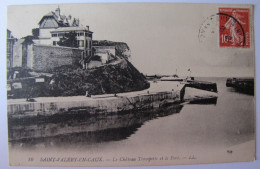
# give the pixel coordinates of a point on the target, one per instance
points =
(23, 53)
(10, 40)
(44, 53)
(53, 26)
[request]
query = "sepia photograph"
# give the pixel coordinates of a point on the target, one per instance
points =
(130, 84)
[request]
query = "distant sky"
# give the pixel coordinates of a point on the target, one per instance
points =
(162, 37)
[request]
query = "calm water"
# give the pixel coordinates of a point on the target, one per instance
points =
(226, 123)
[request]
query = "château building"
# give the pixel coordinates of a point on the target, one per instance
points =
(43, 51)
(53, 26)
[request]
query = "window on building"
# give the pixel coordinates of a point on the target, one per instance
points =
(81, 34)
(81, 43)
(86, 44)
(61, 34)
(54, 43)
(54, 35)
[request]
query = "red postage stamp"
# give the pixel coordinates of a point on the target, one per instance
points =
(234, 27)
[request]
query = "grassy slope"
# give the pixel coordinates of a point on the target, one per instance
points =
(122, 77)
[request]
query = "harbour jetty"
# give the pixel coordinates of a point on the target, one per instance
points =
(243, 85)
(189, 81)
(159, 94)
(209, 86)
(155, 96)
(102, 114)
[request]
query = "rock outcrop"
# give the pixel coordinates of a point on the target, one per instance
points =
(122, 49)
(111, 78)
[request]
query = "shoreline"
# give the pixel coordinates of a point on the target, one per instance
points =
(160, 94)
(47, 106)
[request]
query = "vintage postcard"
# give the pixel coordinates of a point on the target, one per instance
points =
(130, 84)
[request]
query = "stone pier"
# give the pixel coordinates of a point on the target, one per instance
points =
(158, 94)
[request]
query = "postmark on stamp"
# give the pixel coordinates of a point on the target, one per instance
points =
(234, 27)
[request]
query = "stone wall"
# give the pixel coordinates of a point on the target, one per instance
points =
(48, 57)
(105, 49)
(104, 52)
(93, 105)
(30, 56)
(121, 48)
(18, 52)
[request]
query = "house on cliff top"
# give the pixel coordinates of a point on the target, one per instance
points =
(46, 52)
(53, 26)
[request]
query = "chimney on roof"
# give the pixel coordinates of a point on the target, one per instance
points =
(57, 11)
(77, 22)
(87, 27)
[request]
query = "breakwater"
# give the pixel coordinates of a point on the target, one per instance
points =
(209, 86)
(243, 85)
(99, 115)
(98, 105)
(160, 94)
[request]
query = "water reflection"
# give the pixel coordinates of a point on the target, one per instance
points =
(74, 128)
(240, 91)
(205, 101)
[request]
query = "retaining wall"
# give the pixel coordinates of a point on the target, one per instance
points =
(48, 57)
(93, 106)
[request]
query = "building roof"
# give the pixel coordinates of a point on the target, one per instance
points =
(9, 34)
(61, 20)
(19, 41)
(50, 14)
(68, 29)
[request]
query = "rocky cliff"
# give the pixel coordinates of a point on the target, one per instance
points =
(122, 49)
(121, 76)
(112, 78)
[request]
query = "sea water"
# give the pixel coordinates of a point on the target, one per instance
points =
(180, 129)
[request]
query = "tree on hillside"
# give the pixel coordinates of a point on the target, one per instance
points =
(69, 40)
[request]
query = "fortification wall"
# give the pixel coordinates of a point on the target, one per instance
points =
(48, 57)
